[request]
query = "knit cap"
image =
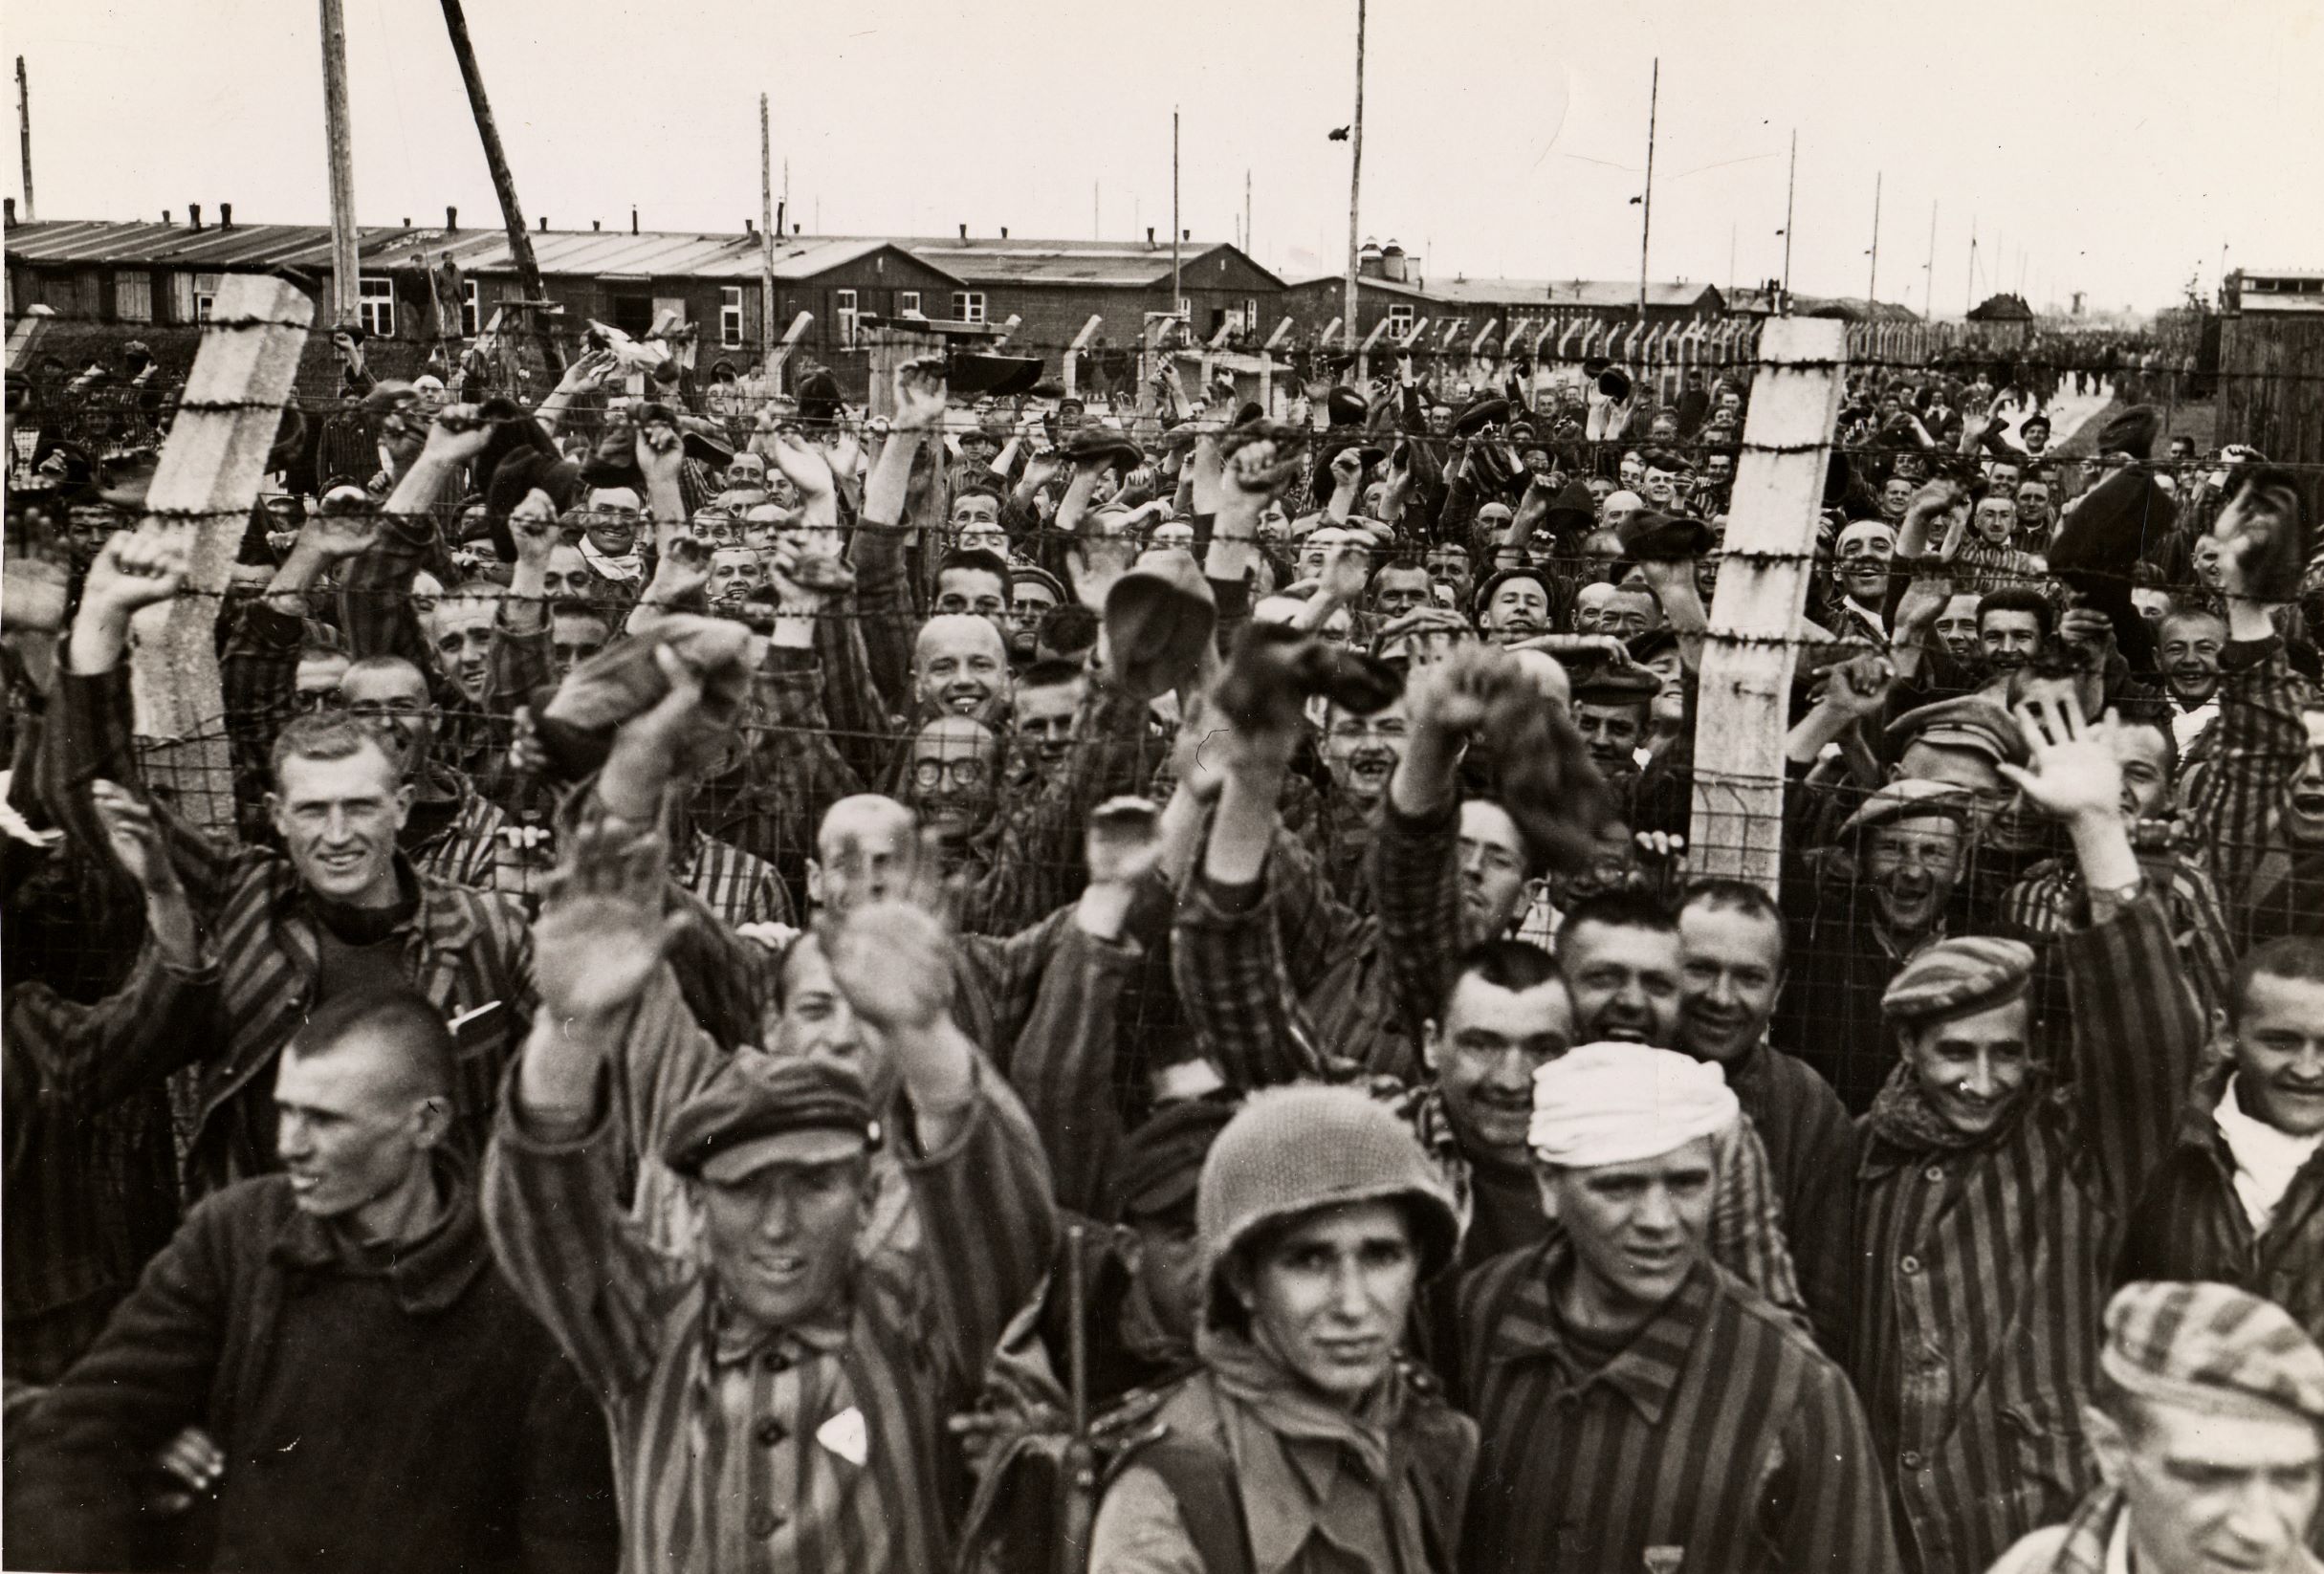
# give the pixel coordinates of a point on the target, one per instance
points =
(2212, 1347)
(1955, 977)
(1291, 1150)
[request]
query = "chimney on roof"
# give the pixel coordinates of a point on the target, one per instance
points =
(597, 224)
(406, 221)
(633, 218)
(749, 226)
(7, 208)
(1150, 234)
(964, 231)
(226, 216)
(544, 224)
(795, 229)
(1186, 234)
(451, 217)
(193, 214)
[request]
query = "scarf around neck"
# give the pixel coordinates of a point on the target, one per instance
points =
(2266, 1159)
(1902, 1115)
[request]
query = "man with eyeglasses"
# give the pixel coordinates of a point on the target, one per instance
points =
(953, 779)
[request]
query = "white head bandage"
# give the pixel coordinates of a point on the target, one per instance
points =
(1619, 1104)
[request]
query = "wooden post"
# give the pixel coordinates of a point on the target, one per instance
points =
(781, 356)
(766, 239)
(339, 144)
(1072, 368)
(1363, 366)
(24, 135)
(1747, 660)
(204, 484)
(504, 183)
(1355, 185)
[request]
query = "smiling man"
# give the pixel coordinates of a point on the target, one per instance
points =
(338, 909)
(1991, 1186)
(1692, 1425)
(2187, 649)
(960, 668)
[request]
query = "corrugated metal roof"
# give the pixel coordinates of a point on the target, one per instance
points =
(560, 252)
(1114, 264)
(1588, 293)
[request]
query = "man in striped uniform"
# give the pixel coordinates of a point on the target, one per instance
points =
(777, 1394)
(1989, 1201)
(1641, 1407)
(2209, 1429)
(339, 908)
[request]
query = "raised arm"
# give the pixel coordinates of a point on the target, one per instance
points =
(2138, 1035)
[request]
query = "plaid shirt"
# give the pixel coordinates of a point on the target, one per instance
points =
(1718, 1438)
(816, 1447)
(468, 951)
(2238, 799)
(1984, 1269)
(91, 1175)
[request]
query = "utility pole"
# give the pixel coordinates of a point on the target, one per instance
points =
(24, 133)
(340, 142)
(1097, 223)
(1355, 188)
(1174, 294)
(766, 239)
(504, 185)
(1968, 288)
(1792, 184)
(1247, 214)
(1929, 293)
(1731, 256)
(1872, 286)
(1646, 212)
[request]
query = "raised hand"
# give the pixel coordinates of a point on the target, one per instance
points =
(919, 396)
(336, 535)
(803, 464)
(136, 568)
(682, 571)
(1347, 570)
(134, 836)
(1859, 687)
(601, 929)
(893, 961)
(457, 435)
(1452, 697)
(659, 449)
(1256, 467)
(2075, 773)
(533, 524)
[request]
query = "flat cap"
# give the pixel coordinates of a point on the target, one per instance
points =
(2212, 1347)
(1105, 443)
(1484, 413)
(760, 1111)
(1160, 1163)
(1964, 722)
(1652, 536)
(1616, 686)
(1905, 799)
(1956, 976)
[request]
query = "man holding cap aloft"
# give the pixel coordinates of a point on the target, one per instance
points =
(1640, 1407)
(1993, 1183)
(777, 1379)
(2209, 1432)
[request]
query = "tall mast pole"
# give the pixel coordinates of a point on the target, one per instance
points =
(1355, 188)
(340, 144)
(1969, 287)
(1792, 186)
(1175, 292)
(766, 237)
(1246, 211)
(1929, 293)
(1646, 215)
(24, 134)
(504, 185)
(1872, 285)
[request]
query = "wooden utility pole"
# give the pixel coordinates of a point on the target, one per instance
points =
(1175, 294)
(1246, 219)
(1752, 645)
(24, 134)
(1968, 288)
(504, 185)
(340, 142)
(1646, 210)
(1928, 296)
(766, 241)
(1872, 285)
(1355, 186)
(1791, 186)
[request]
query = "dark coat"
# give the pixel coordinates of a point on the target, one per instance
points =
(412, 1417)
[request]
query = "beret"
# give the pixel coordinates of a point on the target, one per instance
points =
(1955, 976)
(1615, 383)
(738, 1115)
(1344, 407)
(1479, 415)
(1024, 574)
(1160, 1163)
(1645, 647)
(1105, 443)
(1966, 722)
(2211, 1346)
(1652, 535)
(1665, 459)
(1572, 508)
(2131, 431)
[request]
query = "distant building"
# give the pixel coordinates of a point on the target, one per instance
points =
(2256, 290)
(2003, 320)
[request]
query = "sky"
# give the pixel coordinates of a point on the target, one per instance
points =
(2110, 146)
